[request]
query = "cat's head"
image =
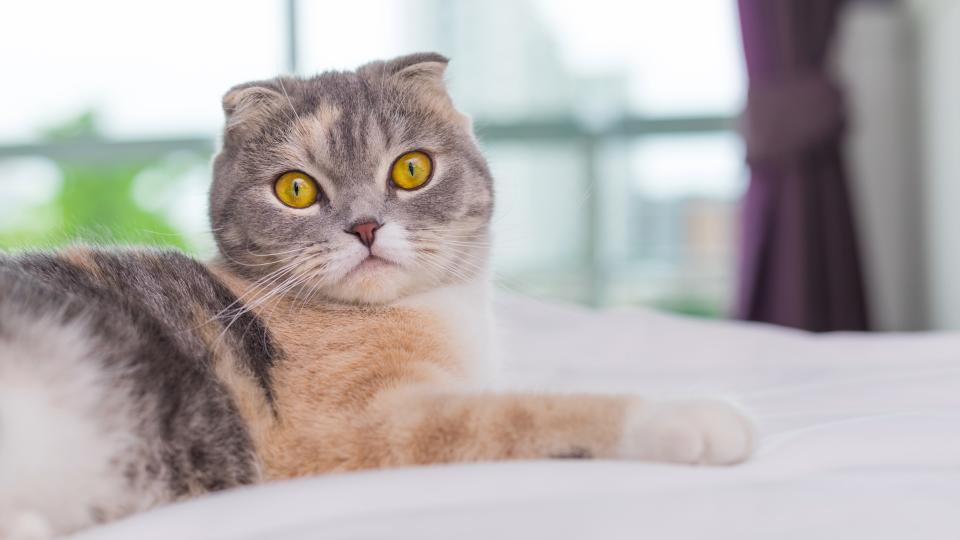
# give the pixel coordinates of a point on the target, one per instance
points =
(360, 186)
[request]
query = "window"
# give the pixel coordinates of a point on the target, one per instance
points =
(607, 125)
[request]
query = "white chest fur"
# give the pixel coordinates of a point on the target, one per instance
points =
(467, 316)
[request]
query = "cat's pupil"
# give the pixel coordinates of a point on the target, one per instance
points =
(296, 188)
(411, 168)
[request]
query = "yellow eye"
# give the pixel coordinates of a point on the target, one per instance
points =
(412, 170)
(296, 189)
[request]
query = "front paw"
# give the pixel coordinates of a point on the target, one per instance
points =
(707, 432)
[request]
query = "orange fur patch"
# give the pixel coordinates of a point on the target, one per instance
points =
(363, 387)
(81, 257)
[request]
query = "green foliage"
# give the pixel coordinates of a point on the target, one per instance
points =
(692, 306)
(94, 204)
(98, 205)
(82, 126)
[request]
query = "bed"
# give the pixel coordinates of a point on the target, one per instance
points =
(860, 438)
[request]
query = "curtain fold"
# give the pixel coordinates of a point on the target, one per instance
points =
(799, 258)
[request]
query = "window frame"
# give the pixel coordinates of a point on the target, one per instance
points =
(589, 139)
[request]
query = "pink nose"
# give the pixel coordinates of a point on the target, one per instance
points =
(365, 231)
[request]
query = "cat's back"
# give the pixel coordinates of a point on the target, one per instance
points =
(166, 291)
(173, 288)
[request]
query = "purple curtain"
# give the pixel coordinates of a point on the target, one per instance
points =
(799, 262)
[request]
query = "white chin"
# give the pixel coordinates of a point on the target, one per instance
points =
(370, 282)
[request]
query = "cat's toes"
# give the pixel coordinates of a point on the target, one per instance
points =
(709, 432)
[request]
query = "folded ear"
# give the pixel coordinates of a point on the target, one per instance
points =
(427, 64)
(248, 105)
(421, 75)
(418, 71)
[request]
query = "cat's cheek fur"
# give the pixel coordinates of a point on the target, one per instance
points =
(694, 432)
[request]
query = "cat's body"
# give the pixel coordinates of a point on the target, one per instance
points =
(105, 406)
(351, 331)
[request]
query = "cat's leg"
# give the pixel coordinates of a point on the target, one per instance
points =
(416, 426)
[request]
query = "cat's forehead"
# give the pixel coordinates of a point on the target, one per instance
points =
(355, 95)
(341, 88)
(346, 119)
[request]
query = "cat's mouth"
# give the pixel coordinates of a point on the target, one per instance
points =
(371, 264)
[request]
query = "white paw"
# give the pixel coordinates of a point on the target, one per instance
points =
(708, 432)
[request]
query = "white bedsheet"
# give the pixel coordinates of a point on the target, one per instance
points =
(860, 439)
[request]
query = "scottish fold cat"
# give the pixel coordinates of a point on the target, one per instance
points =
(344, 324)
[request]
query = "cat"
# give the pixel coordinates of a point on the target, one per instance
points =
(343, 325)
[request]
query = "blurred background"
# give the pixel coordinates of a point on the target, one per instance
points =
(612, 129)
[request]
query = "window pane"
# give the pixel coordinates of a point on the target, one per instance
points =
(673, 241)
(673, 57)
(144, 68)
(584, 212)
(541, 58)
(540, 226)
(344, 35)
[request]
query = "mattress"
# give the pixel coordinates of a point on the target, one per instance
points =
(860, 438)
